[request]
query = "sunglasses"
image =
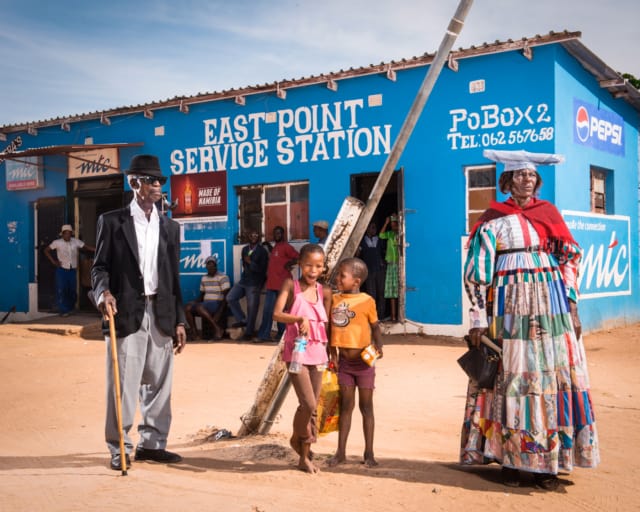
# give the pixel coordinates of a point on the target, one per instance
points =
(150, 180)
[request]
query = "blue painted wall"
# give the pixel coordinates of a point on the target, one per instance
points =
(524, 104)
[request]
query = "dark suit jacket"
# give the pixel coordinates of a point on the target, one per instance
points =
(115, 268)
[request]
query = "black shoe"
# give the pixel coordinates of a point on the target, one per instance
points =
(239, 324)
(157, 455)
(546, 481)
(510, 477)
(116, 463)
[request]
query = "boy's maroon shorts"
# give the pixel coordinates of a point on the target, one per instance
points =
(355, 372)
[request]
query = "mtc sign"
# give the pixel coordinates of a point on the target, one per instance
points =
(93, 163)
(605, 269)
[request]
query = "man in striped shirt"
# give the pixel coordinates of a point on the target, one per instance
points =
(210, 306)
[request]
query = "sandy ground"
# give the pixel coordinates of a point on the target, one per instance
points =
(53, 458)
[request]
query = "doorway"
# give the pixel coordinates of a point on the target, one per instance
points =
(391, 202)
(49, 213)
(91, 198)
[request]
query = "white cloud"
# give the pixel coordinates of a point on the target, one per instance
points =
(73, 57)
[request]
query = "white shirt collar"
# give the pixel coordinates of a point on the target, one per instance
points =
(136, 211)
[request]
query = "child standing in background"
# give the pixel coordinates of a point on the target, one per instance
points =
(391, 280)
(353, 321)
(303, 305)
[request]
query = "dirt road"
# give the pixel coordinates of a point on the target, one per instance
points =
(53, 457)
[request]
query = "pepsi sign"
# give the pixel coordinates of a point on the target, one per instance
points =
(599, 129)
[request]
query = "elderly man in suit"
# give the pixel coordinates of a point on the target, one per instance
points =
(136, 272)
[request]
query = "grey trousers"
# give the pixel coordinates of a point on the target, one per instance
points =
(145, 361)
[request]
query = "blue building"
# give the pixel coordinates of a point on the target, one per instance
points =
(288, 153)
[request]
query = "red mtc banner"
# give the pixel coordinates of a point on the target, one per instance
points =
(200, 194)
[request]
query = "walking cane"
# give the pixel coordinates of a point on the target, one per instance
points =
(116, 380)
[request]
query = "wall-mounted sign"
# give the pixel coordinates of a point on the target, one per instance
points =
(597, 128)
(605, 269)
(500, 125)
(94, 163)
(308, 133)
(193, 254)
(26, 174)
(199, 195)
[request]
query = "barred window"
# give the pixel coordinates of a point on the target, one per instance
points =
(481, 190)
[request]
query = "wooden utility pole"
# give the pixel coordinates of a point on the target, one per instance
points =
(346, 233)
(453, 30)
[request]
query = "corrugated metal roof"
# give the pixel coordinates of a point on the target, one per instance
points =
(607, 77)
(65, 149)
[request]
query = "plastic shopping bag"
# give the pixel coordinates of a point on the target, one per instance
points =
(329, 403)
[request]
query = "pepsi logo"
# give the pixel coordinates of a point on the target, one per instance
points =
(582, 124)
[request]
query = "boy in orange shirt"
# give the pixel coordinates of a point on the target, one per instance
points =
(354, 321)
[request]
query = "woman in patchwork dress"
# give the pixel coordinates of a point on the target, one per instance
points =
(521, 278)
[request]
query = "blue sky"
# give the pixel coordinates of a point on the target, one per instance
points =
(65, 57)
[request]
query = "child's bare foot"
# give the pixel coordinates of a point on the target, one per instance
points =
(307, 466)
(335, 460)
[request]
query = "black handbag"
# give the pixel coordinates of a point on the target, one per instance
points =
(480, 364)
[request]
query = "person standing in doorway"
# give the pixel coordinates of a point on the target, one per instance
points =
(136, 273)
(391, 257)
(282, 259)
(67, 249)
(371, 251)
(255, 259)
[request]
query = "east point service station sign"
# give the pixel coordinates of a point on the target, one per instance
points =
(327, 131)
(311, 133)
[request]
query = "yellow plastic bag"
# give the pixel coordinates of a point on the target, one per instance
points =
(329, 403)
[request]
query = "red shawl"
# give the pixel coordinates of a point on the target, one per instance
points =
(543, 215)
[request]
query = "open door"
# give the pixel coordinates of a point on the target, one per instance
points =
(92, 198)
(392, 201)
(49, 213)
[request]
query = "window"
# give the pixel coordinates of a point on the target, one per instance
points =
(263, 207)
(481, 190)
(601, 200)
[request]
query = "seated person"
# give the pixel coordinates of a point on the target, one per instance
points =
(211, 304)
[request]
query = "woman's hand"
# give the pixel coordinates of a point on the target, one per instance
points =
(476, 333)
(575, 319)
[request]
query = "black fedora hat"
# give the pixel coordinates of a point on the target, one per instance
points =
(145, 165)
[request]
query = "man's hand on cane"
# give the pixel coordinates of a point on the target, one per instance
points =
(107, 298)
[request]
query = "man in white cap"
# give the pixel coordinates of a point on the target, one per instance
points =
(321, 231)
(66, 262)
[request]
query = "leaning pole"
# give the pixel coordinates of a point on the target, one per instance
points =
(442, 55)
(275, 383)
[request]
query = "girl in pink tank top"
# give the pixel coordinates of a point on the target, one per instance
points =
(303, 306)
